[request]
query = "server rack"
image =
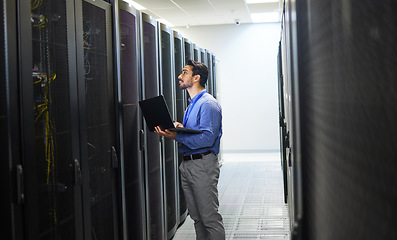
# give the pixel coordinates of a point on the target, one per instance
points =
(133, 168)
(167, 76)
(282, 125)
(214, 80)
(181, 102)
(46, 79)
(196, 53)
(341, 115)
(210, 81)
(11, 171)
(98, 123)
(189, 55)
(203, 57)
(293, 183)
(188, 49)
(68, 133)
(155, 181)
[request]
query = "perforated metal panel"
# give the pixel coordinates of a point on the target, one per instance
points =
(100, 119)
(155, 167)
(133, 164)
(170, 149)
(53, 133)
(348, 95)
(180, 108)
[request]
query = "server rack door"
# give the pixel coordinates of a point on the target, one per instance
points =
(180, 108)
(170, 153)
(215, 89)
(133, 164)
(345, 103)
(210, 81)
(47, 78)
(189, 55)
(97, 120)
(196, 53)
(188, 49)
(282, 131)
(154, 162)
(12, 194)
(202, 56)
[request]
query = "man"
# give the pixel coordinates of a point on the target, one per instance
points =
(200, 168)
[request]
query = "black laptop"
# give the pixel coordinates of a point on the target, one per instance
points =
(156, 113)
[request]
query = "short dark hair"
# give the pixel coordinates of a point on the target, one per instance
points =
(199, 69)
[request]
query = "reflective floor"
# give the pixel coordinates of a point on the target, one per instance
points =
(251, 198)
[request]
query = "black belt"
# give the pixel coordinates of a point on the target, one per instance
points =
(195, 156)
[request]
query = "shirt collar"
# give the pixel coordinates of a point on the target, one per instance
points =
(198, 94)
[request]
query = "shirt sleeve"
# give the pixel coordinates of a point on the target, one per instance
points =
(209, 121)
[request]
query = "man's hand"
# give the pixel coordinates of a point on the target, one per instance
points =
(178, 124)
(166, 133)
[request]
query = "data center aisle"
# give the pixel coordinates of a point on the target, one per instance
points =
(251, 199)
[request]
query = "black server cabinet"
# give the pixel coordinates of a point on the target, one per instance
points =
(97, 120)
(210, 80)
(188, 49)
(52, 201)
(203, 56)
(282, 124)
(180, 105)
(167, 75)
(67, 108)
(155, 182)
(10, 173)
(196, 53)
(189, 55)
(135, 213)
(350, 96)
(213, 74)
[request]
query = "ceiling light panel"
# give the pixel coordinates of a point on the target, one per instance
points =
(265, 17)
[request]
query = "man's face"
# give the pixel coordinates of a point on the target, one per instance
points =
(186, 77)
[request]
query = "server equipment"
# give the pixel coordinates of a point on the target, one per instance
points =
(196, 53)
(134, 206)
(155, 179)
(213, 74)
(168, 87)
(68, 122)
(98, 131)
(79, 161)
(181, 103)
(50, 160)
(188, 49)
(282, 124)
(210, 81)
(339, 72)
(12, 199)
(203, 57)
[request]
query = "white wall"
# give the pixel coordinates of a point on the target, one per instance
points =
(247, 81)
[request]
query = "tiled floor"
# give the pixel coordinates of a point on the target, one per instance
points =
(251, 199)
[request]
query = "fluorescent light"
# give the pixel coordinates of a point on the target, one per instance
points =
(135, 5)
(265, 17)
(165, 22)
(261, 1)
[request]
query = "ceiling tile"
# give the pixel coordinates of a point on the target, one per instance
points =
(204, 12)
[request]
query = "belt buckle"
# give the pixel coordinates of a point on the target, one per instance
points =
(191, 157)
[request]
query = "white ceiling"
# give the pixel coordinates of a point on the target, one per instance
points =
(184, 13)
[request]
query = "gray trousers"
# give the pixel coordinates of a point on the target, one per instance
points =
(199, 179)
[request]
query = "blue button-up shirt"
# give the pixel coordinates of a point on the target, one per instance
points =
(206, 115)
